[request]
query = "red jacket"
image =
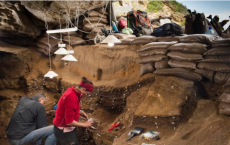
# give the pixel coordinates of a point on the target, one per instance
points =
(68, 108)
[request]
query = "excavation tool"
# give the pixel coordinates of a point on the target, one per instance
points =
(135, 131)
(114, 125)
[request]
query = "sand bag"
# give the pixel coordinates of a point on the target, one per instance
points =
(147, 68)
(184, 56)
(95, 20)
(156, 45)
(224, 108)
(89, 27)
(182, 64)
(219, 67)
(179, 72)
(195, 48)
(74, 40)
(124, 42)
(161, 64)
(199, 38)
(200, 23)
(218, 51)
(225, 35)
(206, 74)
(144, 40)
(153, 52)
(221, 78)
(225, 98)
(218, 58)
(124, 36)
(96, 14)
(221, 43)
(168, 39)
(102, 11)
(189, 24)
(43, 45)
(154, 58)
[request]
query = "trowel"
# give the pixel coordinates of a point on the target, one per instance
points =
(135, 131)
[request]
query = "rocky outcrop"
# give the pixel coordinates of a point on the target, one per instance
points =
(15, 25)
(21, 23)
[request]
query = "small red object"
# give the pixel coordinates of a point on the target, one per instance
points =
(122, 24)
(114, 125)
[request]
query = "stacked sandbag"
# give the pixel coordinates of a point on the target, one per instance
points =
(124, 38)
(46, 44)
(179, 72)
(217, 59)
(199, 38)
(147, 68)
(154, 53)
(168, 39)
(96, 20)
(224, 106)
(73, 40)
(185, 55)
(144, 40)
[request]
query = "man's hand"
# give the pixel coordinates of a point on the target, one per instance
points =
(50, 112)
(82, 113)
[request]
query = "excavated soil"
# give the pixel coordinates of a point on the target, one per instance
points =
(184, 112)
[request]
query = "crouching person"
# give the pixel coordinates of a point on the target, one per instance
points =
(28, 124)
(68, 112)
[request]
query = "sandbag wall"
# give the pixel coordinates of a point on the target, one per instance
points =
(96, 20)
(193, 57)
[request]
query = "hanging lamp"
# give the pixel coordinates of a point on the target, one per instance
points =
(61, 51)
(50, 74)
(69, 57)
(110, 40)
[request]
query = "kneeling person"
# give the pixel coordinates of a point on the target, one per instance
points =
(28, 124)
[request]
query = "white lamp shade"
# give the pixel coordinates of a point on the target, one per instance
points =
(69, 57)
(111, 39)
(62, 30)
(50, 74)
(61, 51)
(61, 45)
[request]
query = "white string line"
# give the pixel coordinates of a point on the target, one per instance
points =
(46, 25)
(110, 16)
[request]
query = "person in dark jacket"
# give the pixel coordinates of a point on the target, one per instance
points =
(68, 112)
(28, 124)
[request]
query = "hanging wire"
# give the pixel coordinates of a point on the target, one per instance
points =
(46, 25)
(110, 16)
(49, 51)
(60, 26)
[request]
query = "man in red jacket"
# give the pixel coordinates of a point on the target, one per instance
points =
(68, 112)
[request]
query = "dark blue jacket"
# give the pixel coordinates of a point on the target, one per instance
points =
(28, 116)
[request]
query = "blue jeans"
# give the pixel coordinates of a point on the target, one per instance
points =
(36, 136)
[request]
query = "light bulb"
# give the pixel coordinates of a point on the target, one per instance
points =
(110, 44)
(51, 77)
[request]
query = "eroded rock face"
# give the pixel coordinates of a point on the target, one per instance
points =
(21, 23)
(50, 10)
(15, 23)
